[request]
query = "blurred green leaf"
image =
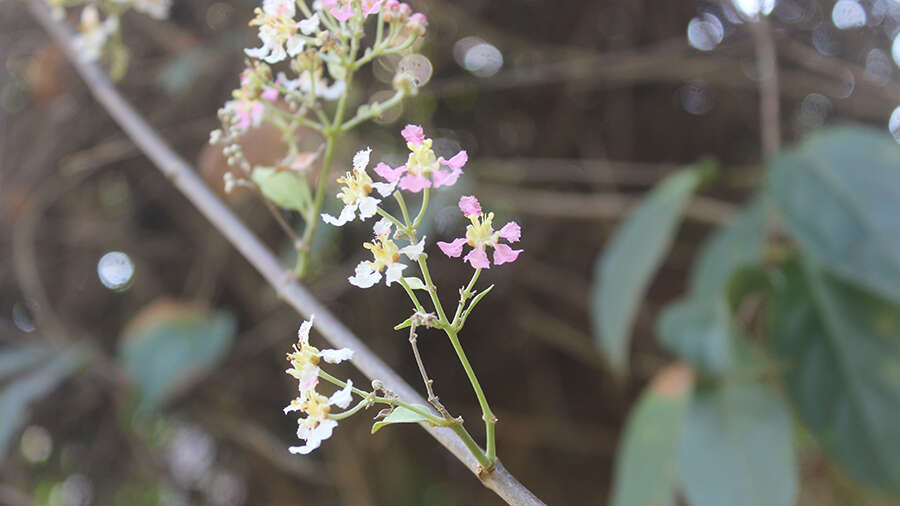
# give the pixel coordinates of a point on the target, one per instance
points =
(284, 188)
(401, 415)
(737, 448)
(843, 345)
(700, 331)
(646, 467)
(736, 245)
(628, 263)
(839, 196)
(15, 396)
(172, 346)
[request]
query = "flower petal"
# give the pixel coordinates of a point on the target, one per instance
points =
(336, 356)
(445, 177)
(478, 259)
(512, 232)
(413, 251)
(469, 205)
(391, 175)
(368, 207)
(393, 273)
(414, 183)
(342, 397)
(347, 214)
(295, 405)
(365, 276)
(310, 25)
(303, 331)
(385, 189)
(452, 249)
(458, 161)
(342, 13)
(361, 159)
(413, 134)
(504, 254)
(382, 227)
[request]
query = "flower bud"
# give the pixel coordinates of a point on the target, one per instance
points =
(417, 24)
(405, 82)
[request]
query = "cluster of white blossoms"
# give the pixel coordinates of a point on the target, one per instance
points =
(93, 32)
(316, 426)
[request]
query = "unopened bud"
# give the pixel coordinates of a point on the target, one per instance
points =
(406, 83)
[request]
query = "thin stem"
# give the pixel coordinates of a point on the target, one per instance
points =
(489, 419)
(400, 200)
(432, 290)
(385, 400)
(412, 295)
(367, 401)
(306, 242)
(426, 193)
(373, 111)
(381, 212)
(484, 461)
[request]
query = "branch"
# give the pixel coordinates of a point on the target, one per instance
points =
(186, 180)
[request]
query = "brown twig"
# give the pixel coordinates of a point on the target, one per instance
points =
(432, 399)
(769, 105)
(186, 180)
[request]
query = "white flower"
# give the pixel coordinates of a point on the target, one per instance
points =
(355, 193)
(158, 9)
(277, 31)
(93, 34)
(385, 253)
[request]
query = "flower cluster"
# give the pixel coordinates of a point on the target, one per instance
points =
(480, 235)
(423, 169)
(315, 427)
(100, 21)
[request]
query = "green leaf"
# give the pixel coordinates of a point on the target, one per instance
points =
(737, 448)
(839, 196)
(646, 467)
(284, 188)
(625, 268)
(737, 245)
(170, 351)
(843, 346)
(40, 381)
(402, 415)
(700, 331)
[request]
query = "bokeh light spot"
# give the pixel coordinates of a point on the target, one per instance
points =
(115, 270)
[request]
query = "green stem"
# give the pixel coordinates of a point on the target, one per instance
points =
(486, 462)
(402, 202)
(390, 217)
(303, 258)
(432, 290)
(374, 110)
(412, 296)
(425, 196)
(434, 420)
(489, 419)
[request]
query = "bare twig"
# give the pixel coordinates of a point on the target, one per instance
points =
(432, 399)
(186, 180)
(767, 67)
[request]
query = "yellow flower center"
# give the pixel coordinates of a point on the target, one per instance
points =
(481, 231)
(316, 406)
(421, 159)
(357, 186)
(385, 251)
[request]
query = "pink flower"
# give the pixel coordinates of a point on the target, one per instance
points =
(414, 134)
(328, 4)
(422, 162)
(342, 13)
(480, 235)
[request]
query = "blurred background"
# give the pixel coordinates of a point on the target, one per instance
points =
(570, 112)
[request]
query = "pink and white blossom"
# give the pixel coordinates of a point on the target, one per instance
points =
(355, 192)
(386, 254)
(423, 169)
